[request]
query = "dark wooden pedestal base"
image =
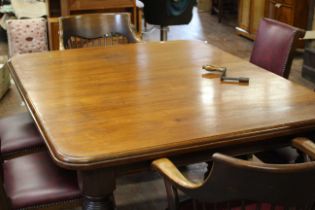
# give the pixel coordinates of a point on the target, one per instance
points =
(92, 203)
(97, 187)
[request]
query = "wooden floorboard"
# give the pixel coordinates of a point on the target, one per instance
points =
(146, 191)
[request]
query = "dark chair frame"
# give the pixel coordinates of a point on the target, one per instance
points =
(217, 7)
(95, 27)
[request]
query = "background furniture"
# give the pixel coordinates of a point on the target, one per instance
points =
(308, 71)
(165, 13)
(71, 7)
(4, 80)
(241, 184)
(219, 7)
(29, 9)
(275, 45)
(250, 13)
(292, 12)
(27, 36)
(124, 107)
(96, 30)
(140, 16)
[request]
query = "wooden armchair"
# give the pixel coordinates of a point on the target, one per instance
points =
(96, 30)
(240, 184)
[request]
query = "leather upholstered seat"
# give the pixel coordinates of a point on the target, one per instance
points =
(34, 180)
(18, 134)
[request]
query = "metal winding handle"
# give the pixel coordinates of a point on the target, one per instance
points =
(244, 80)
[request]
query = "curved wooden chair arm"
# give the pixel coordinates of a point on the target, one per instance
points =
(170, 172)
(305, 145)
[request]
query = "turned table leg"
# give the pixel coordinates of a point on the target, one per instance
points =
(92, 203)
(97, 187)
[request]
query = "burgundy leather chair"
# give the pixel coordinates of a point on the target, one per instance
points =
(19, 135)
(33, 181)
(273, 50)
(275, 45)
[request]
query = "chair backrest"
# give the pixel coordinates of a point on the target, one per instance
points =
(96, 30)
(274, 46)
(231, 179)
(27, 36)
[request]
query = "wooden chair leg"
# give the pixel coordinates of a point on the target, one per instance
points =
(145, 24)
(213, 7)
(139, 20)
(3, 199)
(172, 196)
(220, 10)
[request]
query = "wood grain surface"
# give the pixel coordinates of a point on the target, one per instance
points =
(100, 107)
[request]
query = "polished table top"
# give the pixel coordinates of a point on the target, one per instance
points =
(108, 106)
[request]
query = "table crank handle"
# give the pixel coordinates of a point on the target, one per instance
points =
(236, 79)
(213, 68)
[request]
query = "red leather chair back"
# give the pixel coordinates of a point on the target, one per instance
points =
(274, 46)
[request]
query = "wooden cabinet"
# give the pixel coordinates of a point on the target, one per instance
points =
(293, 12)
(308, 70)
(250, 14)
(53, 33)
(73, 6)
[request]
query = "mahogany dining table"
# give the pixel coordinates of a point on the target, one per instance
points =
(106, 112)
